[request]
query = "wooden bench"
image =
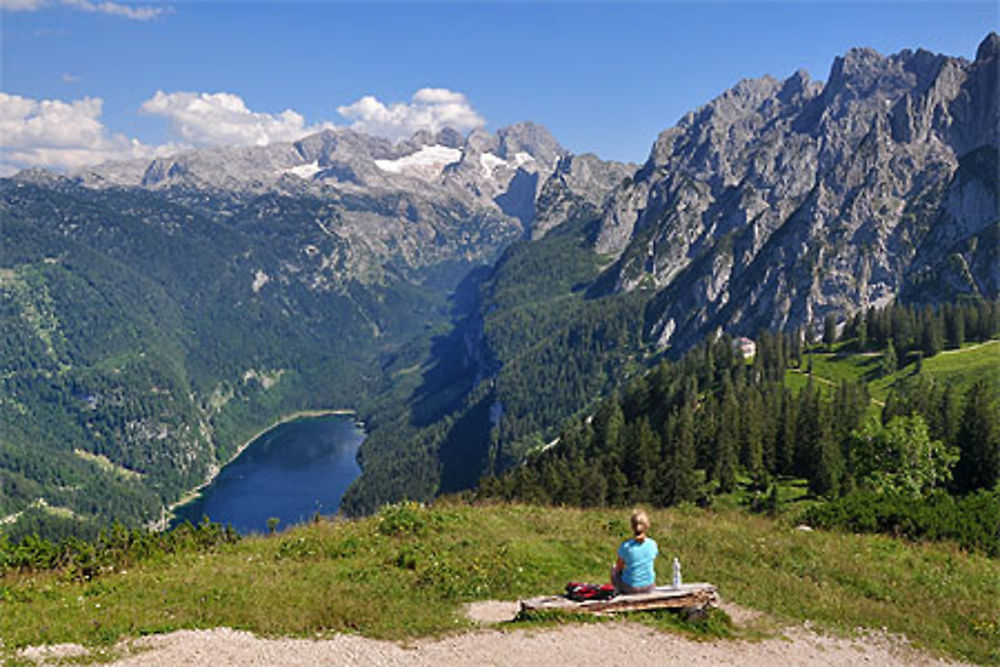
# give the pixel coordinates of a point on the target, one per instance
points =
(687, 597)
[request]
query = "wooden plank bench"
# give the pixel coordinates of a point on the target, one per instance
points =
(687, 596)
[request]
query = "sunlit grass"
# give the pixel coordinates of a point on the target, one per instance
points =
(961, 368)
(407, 571)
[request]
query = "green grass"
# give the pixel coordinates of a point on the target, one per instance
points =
(407, 571)
(960, 367)
(966, 366)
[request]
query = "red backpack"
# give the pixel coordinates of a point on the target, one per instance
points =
(581, 592)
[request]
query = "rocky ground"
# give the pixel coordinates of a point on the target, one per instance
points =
(494, 644)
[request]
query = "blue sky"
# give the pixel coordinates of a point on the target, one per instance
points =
(605, 78)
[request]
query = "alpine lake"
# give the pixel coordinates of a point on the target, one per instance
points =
(291, 472)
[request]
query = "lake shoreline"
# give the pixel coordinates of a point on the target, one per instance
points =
(169, 512)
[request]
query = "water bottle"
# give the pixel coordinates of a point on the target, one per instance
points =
(677, 573)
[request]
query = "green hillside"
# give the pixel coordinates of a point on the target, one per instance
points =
(960, 367)
(406, 571)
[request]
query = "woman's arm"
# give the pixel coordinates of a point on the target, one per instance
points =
(619, 565)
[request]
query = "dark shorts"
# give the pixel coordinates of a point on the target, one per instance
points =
(622, 587)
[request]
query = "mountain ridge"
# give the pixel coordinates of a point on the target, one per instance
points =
(787, 172)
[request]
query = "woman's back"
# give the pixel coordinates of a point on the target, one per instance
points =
(639, 557)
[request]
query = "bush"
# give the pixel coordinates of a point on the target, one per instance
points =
(114, 548)
(973, 521)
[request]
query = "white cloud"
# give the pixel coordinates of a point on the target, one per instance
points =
(135, 13)
(61, 135)
(118, 9)
(208, 119)
(431, 109)
(69, 78)
(22, 5)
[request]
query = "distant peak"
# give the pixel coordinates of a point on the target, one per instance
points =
(989, 47)
(531, 138)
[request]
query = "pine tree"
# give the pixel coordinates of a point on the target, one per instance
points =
(950, 411)
(829, 330)
(954, 324)
(608, 424)
(727, 441)
(979, 440)
(829, 466)
(594, 487)
(889, 362)
(752, 450)
(684, 484)
(931, 336)
(807, 424)
(641, 449)
(787, 434)
(617, 484)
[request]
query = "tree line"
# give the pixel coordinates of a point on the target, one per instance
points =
(694, 428)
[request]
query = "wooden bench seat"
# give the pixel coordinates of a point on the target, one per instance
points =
(687, 596)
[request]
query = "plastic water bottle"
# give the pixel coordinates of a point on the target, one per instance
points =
(677, 573)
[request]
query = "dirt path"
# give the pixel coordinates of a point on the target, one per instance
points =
(600, 644)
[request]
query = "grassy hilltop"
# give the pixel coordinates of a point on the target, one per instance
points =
(406, 571)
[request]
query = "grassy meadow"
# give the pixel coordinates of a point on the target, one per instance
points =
(962, 367)
(407, 571)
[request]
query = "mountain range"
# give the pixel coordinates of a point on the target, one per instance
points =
(465, 293)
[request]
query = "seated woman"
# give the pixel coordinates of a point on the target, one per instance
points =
(633, 571)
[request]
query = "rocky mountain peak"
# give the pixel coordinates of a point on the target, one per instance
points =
(532, 139)
(779, 202)
(989, 47)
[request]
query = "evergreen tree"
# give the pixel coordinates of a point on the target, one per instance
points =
(617, 484)
(752, 450)
(594, 487)
(829, 330)
(889, 363)
(829, 466)
(807, 433)
(608, 424)
(787, 434)
(949, 416)
(683, 480)
(641, 449)
(931, 337)
(727, 440)
(954, 324)
(979, 440)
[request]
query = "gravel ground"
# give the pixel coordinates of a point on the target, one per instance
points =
(601, 644)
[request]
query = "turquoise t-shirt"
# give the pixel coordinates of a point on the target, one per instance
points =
(639, 557)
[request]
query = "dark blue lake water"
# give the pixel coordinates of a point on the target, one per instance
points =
(290, 472)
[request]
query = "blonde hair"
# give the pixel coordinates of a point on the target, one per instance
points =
(640, 522)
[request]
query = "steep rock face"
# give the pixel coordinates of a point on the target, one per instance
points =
(577, 189)
(779, 202)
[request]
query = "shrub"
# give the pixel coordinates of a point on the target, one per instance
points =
(973, 521)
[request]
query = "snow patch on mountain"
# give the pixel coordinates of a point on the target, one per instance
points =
(521, 158)
(489, 162)
(428, 162)
(303, 171)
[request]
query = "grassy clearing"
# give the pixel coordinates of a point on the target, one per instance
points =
(960, 367)
(407, 571)
(966, 366)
